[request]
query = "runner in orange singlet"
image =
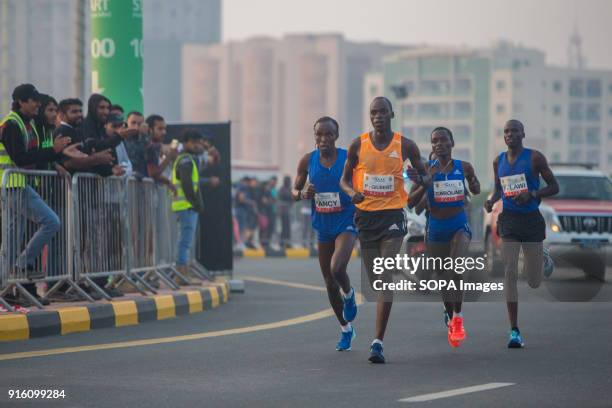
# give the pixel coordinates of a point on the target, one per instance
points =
(373, 178)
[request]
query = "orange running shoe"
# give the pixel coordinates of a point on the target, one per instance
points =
(451, 342)
(457, 331)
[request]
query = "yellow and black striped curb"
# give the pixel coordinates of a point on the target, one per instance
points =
(295, 253)
(114, 314)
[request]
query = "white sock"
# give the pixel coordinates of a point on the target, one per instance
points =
(458, 314)
(377, 341)
(347, 295)
(347, 328)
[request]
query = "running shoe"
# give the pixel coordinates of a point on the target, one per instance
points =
(344, 344)
(376, 354)
(549, 265)
(446, 318)
(349, 311)
(515, 341)
(451, 342)
(458, 331)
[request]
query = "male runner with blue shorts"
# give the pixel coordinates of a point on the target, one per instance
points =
(332, 219)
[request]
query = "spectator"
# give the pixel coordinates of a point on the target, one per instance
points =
(187, 203)
(267, 212)
(156, 166)
(115, 124)
(117, 110)
(21, 148)
(45, 123)
(285, 201)
(95, 134)
(246, 211)
(273, 209)
(137, 144)
(71, 119)
(307, 230)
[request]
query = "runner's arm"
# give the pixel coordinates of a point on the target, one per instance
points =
(470, 176)
(540, 165)
(497, 189)
(421, 206)
(416, 195)
(346, 181)
(300, 179)
(418, 174)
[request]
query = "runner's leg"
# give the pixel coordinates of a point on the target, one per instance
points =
(459, 246)
(389, 248)
(533, 254)
(510, 255)
(326, 252)
(343, 249)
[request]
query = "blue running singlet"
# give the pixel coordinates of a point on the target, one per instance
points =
(332, 209)
(447, 190)
(516, 179)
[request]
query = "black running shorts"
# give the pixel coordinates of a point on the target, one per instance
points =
(521, 227)
(380, 225)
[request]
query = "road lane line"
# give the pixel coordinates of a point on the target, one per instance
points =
(283, 283)
(196, 336)
(455, 392)
(358, 296)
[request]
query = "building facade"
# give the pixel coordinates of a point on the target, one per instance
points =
(167, 26)
(567, 112)
(44, 43)
(273, 90)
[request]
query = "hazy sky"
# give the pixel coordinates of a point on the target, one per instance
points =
(543, 24)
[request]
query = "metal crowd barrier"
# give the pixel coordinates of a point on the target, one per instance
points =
(111, 230)
(20, 224)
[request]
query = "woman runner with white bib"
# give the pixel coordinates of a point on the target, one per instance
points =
(448, 233)
(332, 219)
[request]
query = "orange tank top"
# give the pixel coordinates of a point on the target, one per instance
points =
(379, 175)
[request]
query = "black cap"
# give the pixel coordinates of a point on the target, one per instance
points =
(24, 92)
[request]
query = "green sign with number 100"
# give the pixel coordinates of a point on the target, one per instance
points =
(116, 51)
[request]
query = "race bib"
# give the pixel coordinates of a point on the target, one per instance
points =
(448, 191)
(327, 202)
(378, 185)
(514, 185)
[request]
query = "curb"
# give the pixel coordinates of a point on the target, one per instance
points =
(114, 314)
(290, 253)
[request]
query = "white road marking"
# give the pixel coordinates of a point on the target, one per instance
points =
(455, 392)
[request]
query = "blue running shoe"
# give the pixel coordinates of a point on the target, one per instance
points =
(344, 344)
(349, 311)
(376, 354)
(549, 265)
(515, 341)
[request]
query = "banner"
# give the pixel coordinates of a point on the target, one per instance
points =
(214, 241)
(116, 51)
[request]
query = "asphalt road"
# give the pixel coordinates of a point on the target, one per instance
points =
(283, 354)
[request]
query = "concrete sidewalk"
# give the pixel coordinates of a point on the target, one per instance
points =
(65, 318)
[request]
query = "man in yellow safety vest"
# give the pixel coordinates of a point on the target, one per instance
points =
(21, 147)
(187, 202)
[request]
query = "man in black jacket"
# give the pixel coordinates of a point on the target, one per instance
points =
(95, 137)
(71, 120)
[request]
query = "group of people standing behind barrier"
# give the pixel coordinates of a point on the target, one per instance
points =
(41, 134)
(359, 193)
(264, 215)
